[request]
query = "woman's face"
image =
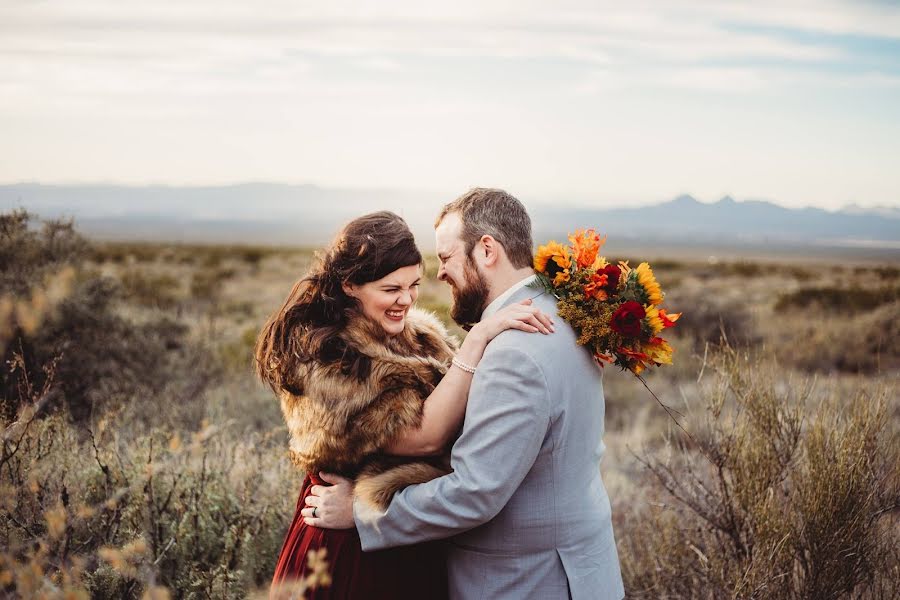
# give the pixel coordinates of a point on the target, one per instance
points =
(387, 300)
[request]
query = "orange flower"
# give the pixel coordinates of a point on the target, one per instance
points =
(632, 353)
(586, 244)
(635, 360)
(603, 358)
(594, 289)
(667, 319)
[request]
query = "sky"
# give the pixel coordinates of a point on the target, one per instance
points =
(597, 103)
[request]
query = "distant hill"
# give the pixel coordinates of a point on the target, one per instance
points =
(306, 214)
(242, 213)
(752, 221)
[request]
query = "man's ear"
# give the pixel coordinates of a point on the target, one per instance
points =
(491, 249)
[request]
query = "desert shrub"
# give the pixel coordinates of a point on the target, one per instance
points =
(791, 493)
(798, 273)
(125, 252)
(115, 517)
(708, 320)
(883, 272)
(206, 283)
(157, 290)
(887, 272)
(238, 309)
(64, 314)
(104, 359)
(237, 355)
(850, 299)
(744, 269)
(29, 254)
(254, 255)
(203, 255)
(857, 343)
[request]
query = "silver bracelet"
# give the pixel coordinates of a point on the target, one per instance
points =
(461, 365)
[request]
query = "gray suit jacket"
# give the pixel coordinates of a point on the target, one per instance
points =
(525, 506)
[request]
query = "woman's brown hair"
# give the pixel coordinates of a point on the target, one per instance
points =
(305, 327)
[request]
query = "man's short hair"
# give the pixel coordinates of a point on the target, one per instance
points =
(493, 212)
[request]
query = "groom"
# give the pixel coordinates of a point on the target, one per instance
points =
(525, 507)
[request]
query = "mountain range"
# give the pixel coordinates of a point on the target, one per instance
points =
(309, 215)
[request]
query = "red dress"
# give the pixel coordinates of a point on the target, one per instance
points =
(407, 572)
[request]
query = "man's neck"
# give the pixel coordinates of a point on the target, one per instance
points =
(503, 281)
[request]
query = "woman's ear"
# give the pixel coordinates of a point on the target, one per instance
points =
(349, 289)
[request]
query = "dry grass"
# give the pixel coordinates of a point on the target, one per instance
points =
(791, 493)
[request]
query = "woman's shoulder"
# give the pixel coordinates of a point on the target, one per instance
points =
(430, 332)
(424, 320)
(424, 336)
(354, 350)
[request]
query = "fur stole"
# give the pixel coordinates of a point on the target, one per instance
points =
(354, 403)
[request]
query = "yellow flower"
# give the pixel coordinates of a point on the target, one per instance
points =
(545, 253)
(653, 318)
(659, 351)
(561, 278)
(554, 261)
(648, 282)
(599, 263)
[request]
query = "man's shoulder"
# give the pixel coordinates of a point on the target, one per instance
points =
(537, 346)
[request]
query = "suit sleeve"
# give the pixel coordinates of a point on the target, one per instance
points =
(507, 419)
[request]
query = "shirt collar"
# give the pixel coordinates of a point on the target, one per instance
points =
(499, 301)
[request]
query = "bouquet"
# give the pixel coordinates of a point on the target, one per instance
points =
(614, 309)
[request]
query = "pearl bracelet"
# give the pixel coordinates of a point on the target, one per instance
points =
(462, 366)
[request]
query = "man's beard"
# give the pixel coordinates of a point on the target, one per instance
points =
(469, 301)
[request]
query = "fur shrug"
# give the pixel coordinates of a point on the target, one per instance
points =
(344, 410)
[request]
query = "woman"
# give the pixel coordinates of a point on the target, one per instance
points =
(368, 392)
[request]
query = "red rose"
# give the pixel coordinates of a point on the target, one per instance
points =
(612, 273)
(627, 320)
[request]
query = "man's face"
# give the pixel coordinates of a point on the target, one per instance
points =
(470, 289)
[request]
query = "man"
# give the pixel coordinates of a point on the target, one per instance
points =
(525, 507)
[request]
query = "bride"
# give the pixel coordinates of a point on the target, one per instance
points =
(374, 390)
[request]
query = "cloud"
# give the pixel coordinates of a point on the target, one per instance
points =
(287, 89)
